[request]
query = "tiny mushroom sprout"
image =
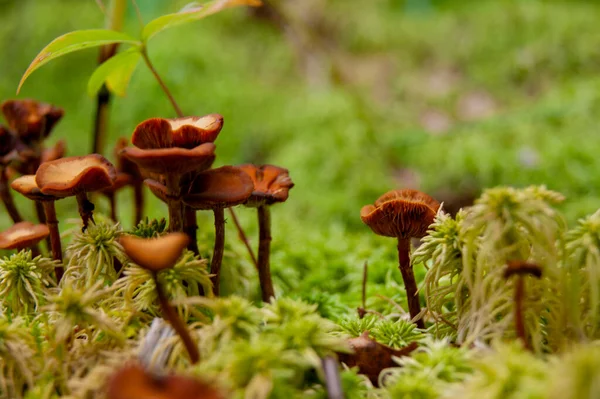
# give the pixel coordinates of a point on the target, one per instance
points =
(76, 176)
(8, 153)
(173, 151)
(215, 190)
(23, 235)
(521, 269)
(27, 186)
(154, 255)
(403, 214)
(271, 185)
(132, 381)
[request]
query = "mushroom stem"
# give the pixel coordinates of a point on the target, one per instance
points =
(8, 199)
(243, 237)
(113, 206)
(191, 227)
(264, 247)
(178, 325)
(86, 209)
(217, 258)
(52, 223)
(138, 193)
(408, 276)
(175, 215)
(519, 315)
(35, 251)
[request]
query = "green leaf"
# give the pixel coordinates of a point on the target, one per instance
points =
(74, 41)
(116, 72)
(191, 12)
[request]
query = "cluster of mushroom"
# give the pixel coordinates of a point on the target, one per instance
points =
(176, 155)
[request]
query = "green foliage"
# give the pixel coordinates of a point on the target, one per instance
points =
(115, 72)
(393, 333)
(147, 228)
(17, 366)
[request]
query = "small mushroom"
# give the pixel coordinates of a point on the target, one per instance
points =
(134, 382)
(30, 119)
(8, 153)
(371, 357)
(271, 185)
(215, 190)
(521, 269)
(27, 186)
(403, 214)
(23, 235)
(76, 176)
(154, 255)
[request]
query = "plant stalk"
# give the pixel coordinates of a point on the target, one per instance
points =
(162, 84)
(191, 228)
(52, 223)
(264, 247)
(113, 206)
(519, 299)
(7, 198)
(242, 236)
(175, 215)
(86, 209)
(178, 325)
(138, 193)
(408, 276)
(217, 258)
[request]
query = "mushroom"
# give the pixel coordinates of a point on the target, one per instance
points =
(23, 235)
(30, 119)
(271, 185)
(371, 357)
(154, 255)
(215, 190)
(8, 153)
(521, 269)
(175, 150)
(76, 176)
(26, 186)
(128, 167)
(134, 382)
(403, 214)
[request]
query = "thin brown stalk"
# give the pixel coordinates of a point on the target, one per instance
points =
(7, 198)
(191, 228)
(519, 298)
(55, 244)
(138, 192)
(363, 309)
(217, 258)
(410, 284)
(242, 236)
(162, 84)
(175, 215)
(264, 249)
(86, 209)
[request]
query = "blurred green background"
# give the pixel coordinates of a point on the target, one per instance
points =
(354, 97)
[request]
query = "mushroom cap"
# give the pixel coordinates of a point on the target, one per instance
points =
(271, 184)
(522, 268)
(55, 152)
(172, 160)
(27, 186)
(65, 177)
(23, 235)
(155, 254)
(158, 189)
(32, 120)
(219, 188)
(132, 381)
(8, 141)
(401, 213)
(187, 132)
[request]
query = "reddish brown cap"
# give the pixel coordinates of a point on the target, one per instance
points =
(23, 235)
(401, 213)
(65, 177)
(219, 188)
(133, 382)
(27, 186)
(32, 120)
(271, 184)
(155, 254)
(55, 152)
(187, 132)
(172, 160)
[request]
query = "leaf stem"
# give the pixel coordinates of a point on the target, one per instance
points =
(161, 82)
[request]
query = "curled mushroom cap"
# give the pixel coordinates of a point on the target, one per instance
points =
(27, 186)
(187, 132)
(401, 213)
(65, 177)
(172, 160)
(155, 254)
(32, 120)
(23, 235)
(132, 381)
(271, 184)
(219, 188)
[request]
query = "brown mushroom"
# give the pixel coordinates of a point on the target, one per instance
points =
(403, 214)
(76, 176)
(27, 186)
(23, 235)
(215, 190)
(175, 149)
(271, 185)
(521, 269)
(31, 120)
(154, 255)
(371, 357)
(134, 382)
(128, 167)
(8, 153)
